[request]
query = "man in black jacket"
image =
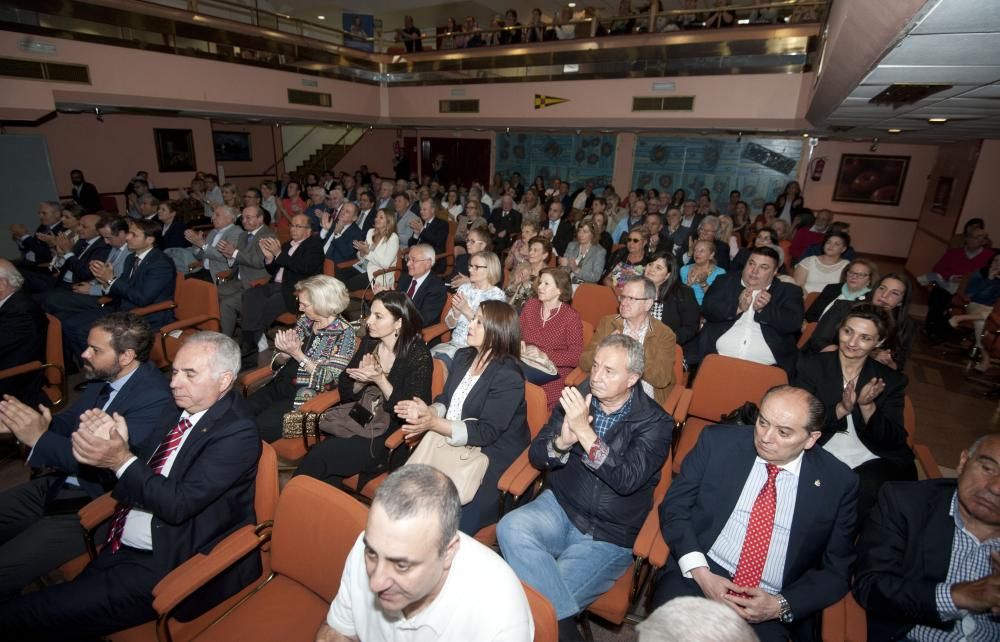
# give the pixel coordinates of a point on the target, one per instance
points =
(425, 289)
(84, 193)
(603, 446)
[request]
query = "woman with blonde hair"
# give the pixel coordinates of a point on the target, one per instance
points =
(701, 273)
(377, 252)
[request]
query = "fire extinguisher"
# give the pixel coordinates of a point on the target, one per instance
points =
(818, 166)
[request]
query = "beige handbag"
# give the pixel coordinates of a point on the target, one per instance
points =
(465, 465)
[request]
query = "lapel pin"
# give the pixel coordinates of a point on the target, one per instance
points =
(817, 483)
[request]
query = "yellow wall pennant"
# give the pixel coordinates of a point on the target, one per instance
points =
(548, 101)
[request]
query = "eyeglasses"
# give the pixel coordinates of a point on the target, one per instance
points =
(302, 227)
(623, 298)
(859, 275)
(410, 259)
(477, 267)
(633, 240)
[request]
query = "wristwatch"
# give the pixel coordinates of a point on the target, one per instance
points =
(785, 611)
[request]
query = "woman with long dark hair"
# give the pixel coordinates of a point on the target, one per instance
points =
(393, 357)
(675, 304)
(482, 405)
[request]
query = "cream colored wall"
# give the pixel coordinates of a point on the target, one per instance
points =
(981, 201)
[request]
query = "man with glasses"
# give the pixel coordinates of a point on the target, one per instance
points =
(752, 315)
(246, 264)
(634, 320)
(425, 289)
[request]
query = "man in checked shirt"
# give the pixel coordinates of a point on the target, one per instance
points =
(929, 556)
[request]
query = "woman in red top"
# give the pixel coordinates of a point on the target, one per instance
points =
(289, 206)
(549, 323)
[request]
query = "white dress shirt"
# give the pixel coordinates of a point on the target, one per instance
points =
(745, 340)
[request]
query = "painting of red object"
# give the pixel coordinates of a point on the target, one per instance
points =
(869, 178)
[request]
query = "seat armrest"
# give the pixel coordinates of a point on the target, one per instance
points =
(97, 511)
(523, 480)
(512, 472)
(673, 399)
(434, 331)
(648, 534)
(24, 368)
(395, 440)
(576, 377)
(258, 282)
(321, 402)
(200, 568)
(681, 409)
(190, 322)
(659, 552)
(343, 265)
(156, 307)
(253, 377)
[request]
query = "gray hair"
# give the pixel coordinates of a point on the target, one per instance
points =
(974, 448)
(232, 212)
(648, 289)
(227, 352)
(712, 220)
(11, 275)
(329, 296)
(418, 489)
(635, 355)
(425, 250)
(694, 619)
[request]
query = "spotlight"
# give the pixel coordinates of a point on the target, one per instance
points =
(508, 131)
(739, 137)
(98, 114)
(874, 146)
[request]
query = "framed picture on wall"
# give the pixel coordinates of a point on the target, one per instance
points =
(232, 146)
(869, 178)
(174, 150)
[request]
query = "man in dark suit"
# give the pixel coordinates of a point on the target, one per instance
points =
(23, 337)
(558, 228)
(425, 289)
(185, 488)
(34, 250)
(761, 521)
(301, 257)
(751, 315)
(246, 262)
(430, 230)
(85, 193)
(148, 278)
(71, 263)
(603, 448)
(366, 213)
(86, 294)
(339, 232)
(39, 529)
(929, 556)
(505, 223)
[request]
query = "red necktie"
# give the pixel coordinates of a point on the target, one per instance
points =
(758, 538)
(156, 462)
(410, 291)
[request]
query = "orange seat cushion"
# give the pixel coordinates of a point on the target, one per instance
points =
(282, 610)
(613, 605)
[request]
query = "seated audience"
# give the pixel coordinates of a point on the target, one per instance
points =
(309, 358)
(598, 216)
(983, 291)
(855, 283)
(550, 325)
(751, 315)
(246, 260)
(636, 218)
(180, 493)
(928, 555)
(523, 279)
(482, 405)
(406, 217)
(484, 274)
(628, 261)
(789, 203)
(635, 302)
(85, 294)
(584, 258)
(694, 619)
(864, 403)
(471, 218)
(71, 263)
(339, 232)
(84, 193)
(675, 304)
(807, 235)
(288, 263)
(205, 248)
(702, 271)
(764, 237)
(891, 293)
(519, 251)
(816, 249)
(379, 251)
(41, 529)
(34, 248)
(558, 228)
(172, 235)
(603, 448)
(814, 273)
(948, 273)
(23, 339)
(424, 288)
(748, 527)
(148, 277)
(411, 572)
(478, 240)
(393, 358)
(504, 223)
(428, 229)
(708, 231)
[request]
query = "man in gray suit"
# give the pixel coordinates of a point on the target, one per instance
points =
(85, 295)
(246, 262)
(206, 249)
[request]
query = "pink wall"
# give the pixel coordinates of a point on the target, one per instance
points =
(981, 201)
(884, 230)
(373, 149)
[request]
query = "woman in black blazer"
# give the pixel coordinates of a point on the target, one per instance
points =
(675, 306)
(482, 405)
(864, 402)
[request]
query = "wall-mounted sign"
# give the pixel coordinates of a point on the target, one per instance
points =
(548, 101)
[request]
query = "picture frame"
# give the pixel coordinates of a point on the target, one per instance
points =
(175, 150)
(232, 146)
(871, 179)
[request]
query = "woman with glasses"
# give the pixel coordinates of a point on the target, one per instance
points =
(634, 318)
(377, 252)
(675, 304)
(482, 404)
(523, 279)
(701, 273)
(628, 261)
(479, 240)
(484, 275)
(309, 358)
(855, 282)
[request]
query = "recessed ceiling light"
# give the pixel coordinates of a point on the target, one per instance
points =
(571, 5)
(937, 120)
(805, 135)
(895, 131)
(321, 17)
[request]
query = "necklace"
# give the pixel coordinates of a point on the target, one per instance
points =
(546, 319)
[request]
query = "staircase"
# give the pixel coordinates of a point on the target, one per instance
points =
(323, 159)
(331, 144)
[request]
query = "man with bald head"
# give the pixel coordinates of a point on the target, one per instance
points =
(300, 257)
(761, 521)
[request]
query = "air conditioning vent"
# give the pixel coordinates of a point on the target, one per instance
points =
(662, 103)
(51, 71)
(905, 94)
(311, 98)
(458, 107)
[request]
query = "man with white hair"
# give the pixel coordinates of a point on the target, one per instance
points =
(183, 490)
(206, 248)
(694, 619)
(23, 338)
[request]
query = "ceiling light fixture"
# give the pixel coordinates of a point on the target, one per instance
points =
(571, 5)
(895, 131)
(805, 135)
(321, 17)
(937, 120)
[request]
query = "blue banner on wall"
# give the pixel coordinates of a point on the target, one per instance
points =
(758, 167)
(565, 156)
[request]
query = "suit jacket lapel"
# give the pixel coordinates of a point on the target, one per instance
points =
(940, 528)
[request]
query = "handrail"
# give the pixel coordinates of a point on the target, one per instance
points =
(274, 165)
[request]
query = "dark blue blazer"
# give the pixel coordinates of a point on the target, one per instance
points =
(153, 282)
(79, 263)
(430, 297)
(342, 249)
(821, 544)
(22, 340)
(43, 253)
(903, 553)
(174, 236)
(143, 401)
(435, 235)
(209, 494)
(369, 221)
